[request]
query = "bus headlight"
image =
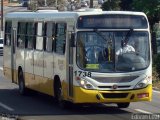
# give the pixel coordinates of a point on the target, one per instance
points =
(85, 84)
(143, 83)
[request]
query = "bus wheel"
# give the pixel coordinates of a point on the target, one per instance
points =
(58, 96)
(123, 105)
(21, 83)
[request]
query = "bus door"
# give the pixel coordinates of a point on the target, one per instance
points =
(70, 69)
(13, 50)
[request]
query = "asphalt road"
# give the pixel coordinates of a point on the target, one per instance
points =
(37, 106)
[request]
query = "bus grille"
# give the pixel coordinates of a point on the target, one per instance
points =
(115, 79)
(124, 86)
(115, 95)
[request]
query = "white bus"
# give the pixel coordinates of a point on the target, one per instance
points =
(87, 56)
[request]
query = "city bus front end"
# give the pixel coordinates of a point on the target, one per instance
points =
(112, 62)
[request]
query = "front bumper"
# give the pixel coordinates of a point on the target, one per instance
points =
(94, 96)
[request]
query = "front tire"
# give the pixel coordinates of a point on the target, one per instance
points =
(58, 95)
(123, 105)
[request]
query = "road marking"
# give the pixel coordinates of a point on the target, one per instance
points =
(1, 68)
(143, 111)
(6, 107)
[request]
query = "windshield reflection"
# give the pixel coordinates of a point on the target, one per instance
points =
(111, 52)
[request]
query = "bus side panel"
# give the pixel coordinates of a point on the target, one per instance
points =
(20, 59)
(37, 69)
(47, 84)
(43, 72)
(7, 62)
(29, 76)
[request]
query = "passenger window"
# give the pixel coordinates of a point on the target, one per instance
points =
(50, 36)
(21, 34)
(30, 36)
(7, 37)
(39, 36)
(60, 38)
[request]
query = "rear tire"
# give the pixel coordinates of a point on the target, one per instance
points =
(123, 105)
(21, 83)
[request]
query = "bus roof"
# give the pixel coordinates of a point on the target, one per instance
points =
(49, 15)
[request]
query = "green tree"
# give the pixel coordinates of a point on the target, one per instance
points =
(150, 7)
(126, 5)
(35, 4)
(111, 5)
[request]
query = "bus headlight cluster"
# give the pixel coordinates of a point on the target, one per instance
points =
(85, 84)
(143, 83)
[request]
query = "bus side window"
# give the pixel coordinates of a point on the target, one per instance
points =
(50, 36)
(60, 38)
(39, 37)
(21, 34)
(7, 39)
(30, 37)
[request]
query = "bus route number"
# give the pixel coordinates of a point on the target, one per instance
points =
(82, 73)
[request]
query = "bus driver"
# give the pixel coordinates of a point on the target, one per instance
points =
(125, 48)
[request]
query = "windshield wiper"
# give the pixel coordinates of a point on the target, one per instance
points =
(129, 33)
(100, 34)
(126, 39)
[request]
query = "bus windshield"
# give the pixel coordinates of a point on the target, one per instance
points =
(105, 51)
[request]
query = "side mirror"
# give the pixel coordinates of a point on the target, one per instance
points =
(72, 40)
